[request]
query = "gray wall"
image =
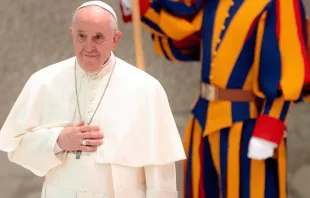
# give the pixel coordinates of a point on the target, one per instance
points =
(35, 34)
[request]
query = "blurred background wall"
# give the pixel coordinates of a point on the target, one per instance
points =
(34, 34)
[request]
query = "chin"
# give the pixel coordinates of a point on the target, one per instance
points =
(90, 64)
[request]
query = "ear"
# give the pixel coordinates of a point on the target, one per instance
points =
(71, 32)
(118, 35)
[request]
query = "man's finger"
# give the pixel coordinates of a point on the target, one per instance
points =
(93, 142)
(92, 135)
(86, 128)
(75, 126)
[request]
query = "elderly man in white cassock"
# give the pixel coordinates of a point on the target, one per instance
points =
(94, 125)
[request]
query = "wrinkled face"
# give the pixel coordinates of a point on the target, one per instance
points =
(94, 36)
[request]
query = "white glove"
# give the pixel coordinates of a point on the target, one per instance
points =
(260, 149)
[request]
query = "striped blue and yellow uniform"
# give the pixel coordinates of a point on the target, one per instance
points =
(253, 45)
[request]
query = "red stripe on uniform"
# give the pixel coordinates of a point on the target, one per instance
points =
(301, 40)
(278, 23)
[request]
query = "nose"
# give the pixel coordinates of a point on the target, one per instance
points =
(89, 45)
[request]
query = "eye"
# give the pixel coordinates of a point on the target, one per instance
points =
(99, 39)
(81, 37)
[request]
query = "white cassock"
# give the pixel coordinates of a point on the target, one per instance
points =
(141, 140)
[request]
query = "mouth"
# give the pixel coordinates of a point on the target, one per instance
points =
(90, 55)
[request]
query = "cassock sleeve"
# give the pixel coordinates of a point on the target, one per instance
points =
(174, 27)
(161, 181)
(57, 149)
(282, 65)
(26, 142)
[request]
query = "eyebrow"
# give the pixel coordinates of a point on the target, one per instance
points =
(97, 33)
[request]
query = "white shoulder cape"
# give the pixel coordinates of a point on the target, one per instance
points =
(135, 116)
